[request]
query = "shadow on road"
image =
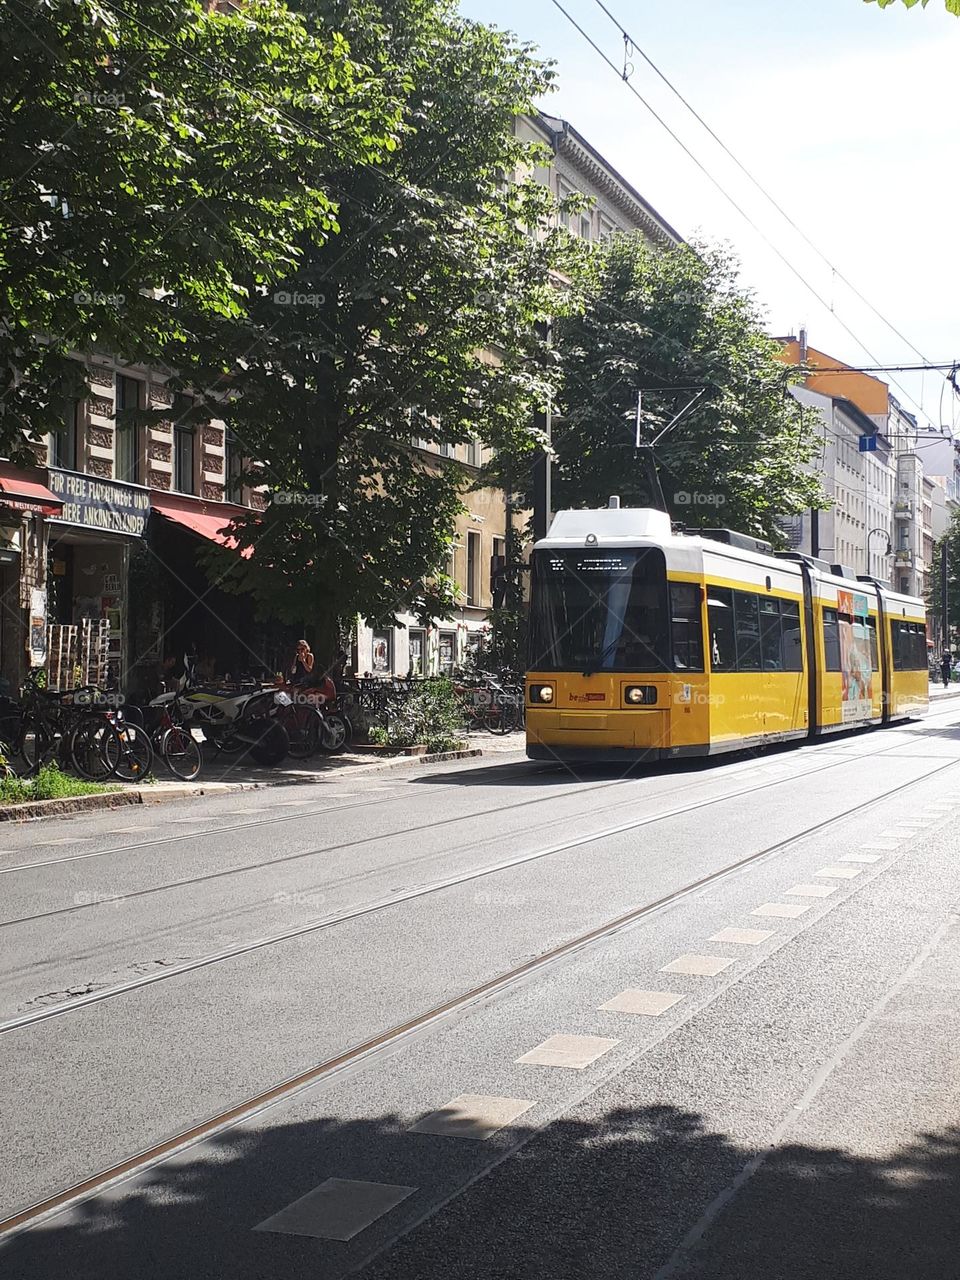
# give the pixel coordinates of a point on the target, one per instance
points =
(579, 1201)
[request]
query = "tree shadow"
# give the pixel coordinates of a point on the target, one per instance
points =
(580, 1200)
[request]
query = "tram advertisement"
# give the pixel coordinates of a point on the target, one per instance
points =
(855, 658)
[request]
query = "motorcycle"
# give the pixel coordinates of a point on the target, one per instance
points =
(234, 720)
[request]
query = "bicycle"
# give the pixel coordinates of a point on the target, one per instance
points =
(175, 744)
(106, 744)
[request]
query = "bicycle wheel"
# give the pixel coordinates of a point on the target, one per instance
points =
(87, 748)
(302, 723)
(501, 716)
(34, 742)
(181, 753)
(129, 752)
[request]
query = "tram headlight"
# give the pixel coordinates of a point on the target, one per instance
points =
(541, 693)
(640, 695)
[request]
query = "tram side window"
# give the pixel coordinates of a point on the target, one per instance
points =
(685, 626)
(831, 640)
(747, 615)
(723, 645)
(792, 646)
(771, 639)
(909, 646)
(874, 650)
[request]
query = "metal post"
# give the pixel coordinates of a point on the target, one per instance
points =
(542, 497)
(944, 590)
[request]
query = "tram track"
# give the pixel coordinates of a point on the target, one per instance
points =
(534, 768)
(420, 891)
(391, 1039)
(114, 900)
(326, 811)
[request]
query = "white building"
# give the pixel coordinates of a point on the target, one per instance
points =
(856, 530)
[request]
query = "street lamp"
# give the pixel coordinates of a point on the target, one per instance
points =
(889, 549)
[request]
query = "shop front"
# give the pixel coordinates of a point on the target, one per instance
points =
(198, 613)
(98, 529)
(25, 504)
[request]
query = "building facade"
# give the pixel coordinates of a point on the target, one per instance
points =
(102, 539)
(883, 514)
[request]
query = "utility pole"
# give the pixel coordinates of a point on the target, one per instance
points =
(542, 496)
(944, 587)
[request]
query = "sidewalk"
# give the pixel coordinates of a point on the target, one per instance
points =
(223, 775)
(937, 691)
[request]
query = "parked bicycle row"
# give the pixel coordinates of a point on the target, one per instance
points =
(102, 737)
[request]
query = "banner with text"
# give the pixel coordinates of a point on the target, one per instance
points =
(107, 506)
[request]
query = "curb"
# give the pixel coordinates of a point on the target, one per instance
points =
(33, 810)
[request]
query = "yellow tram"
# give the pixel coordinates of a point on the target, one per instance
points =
(647, 644)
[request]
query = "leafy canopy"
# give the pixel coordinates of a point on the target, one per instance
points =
(416, 322)
(951, 6)
(161, 160)
(670, 324)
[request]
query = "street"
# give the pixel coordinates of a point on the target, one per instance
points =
(694, 1021)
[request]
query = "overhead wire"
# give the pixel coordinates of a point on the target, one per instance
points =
(726, 194)
(756, 183)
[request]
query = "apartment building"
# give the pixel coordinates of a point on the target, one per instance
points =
(100, 539)
(872, 465)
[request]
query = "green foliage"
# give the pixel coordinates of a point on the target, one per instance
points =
(503, 644)
(431, 716)
(951, 539)
(433, 268)
(679, 320)
(951, 6)
(160, 161)
(49, 784)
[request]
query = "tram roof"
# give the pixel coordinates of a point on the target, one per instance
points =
(646, 527)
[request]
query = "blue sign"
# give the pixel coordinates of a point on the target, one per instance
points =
(868, 444)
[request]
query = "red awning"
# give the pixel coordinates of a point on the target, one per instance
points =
(208, 519)
(17, 490)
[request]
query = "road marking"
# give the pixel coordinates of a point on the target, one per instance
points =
(813, 890)
(64, 840)
(898, 833)
(646, 1004)
(886, 846)
(783, 910)
(575, 1052)
(860, 857)
(839, 872)
(699, 966)
(338, 1209)
(748, 937)
(473, 1115)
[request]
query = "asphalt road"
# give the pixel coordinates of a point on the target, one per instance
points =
(239, 1016)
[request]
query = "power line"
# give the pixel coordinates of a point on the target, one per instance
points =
(727, 196)
(629, 40)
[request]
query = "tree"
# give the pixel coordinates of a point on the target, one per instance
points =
(673, 325)
(950, 540)
(416, 322)
(952, 6)
(160, 162)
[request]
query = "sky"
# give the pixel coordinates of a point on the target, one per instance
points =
(845, 113)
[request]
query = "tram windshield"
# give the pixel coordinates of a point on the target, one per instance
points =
(597, 609)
